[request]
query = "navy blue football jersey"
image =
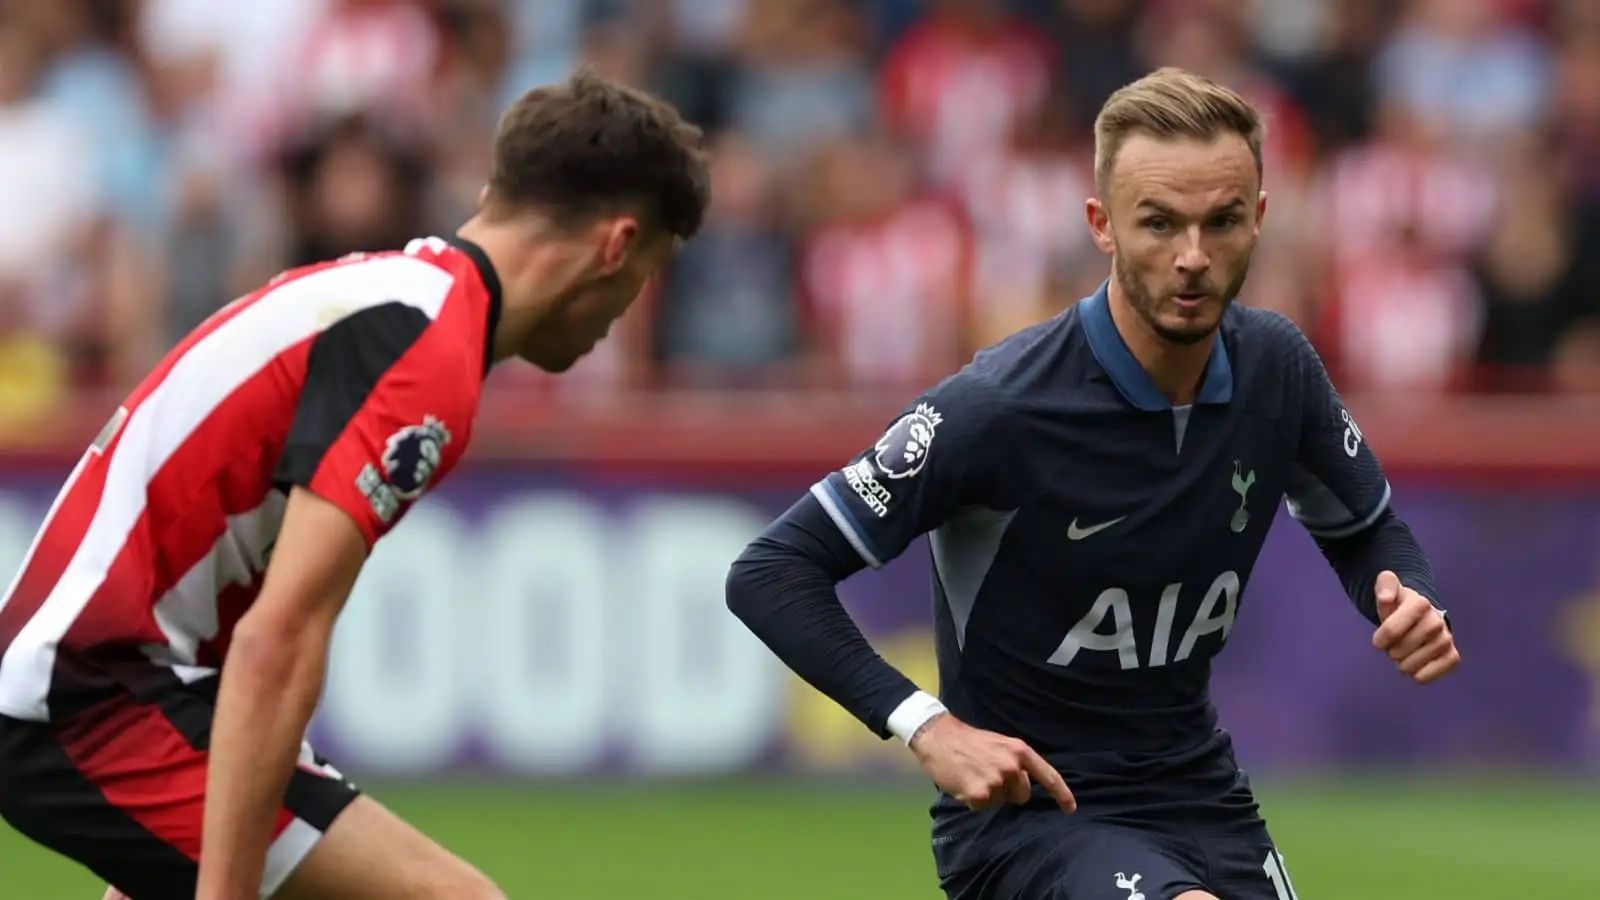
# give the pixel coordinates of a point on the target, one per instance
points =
(1091, 542)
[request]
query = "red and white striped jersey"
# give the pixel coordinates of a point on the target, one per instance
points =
(357, 379)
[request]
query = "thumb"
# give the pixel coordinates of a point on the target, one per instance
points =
(1388, 592)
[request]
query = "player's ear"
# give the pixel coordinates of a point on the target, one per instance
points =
(619, 238)
(1099, 219)
(1261, 210)
(483, 196)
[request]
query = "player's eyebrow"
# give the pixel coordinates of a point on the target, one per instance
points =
(1233, 205)
(1157, 206)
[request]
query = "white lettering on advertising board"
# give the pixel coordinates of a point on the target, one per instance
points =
(553, 636)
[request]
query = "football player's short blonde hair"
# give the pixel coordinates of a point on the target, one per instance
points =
(1171, 103)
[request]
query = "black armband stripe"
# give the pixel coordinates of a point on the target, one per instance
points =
(343, 368)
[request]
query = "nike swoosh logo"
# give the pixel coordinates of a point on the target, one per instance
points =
(1074, 533)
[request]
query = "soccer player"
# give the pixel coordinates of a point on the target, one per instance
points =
(165, 641)
(1097, 488)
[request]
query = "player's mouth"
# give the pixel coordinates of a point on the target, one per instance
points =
(1191, 299)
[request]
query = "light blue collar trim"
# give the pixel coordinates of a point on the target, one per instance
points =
(1132, 381)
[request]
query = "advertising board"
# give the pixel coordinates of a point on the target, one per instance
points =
(530, 620)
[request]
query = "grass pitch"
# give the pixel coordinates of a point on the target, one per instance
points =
(1482, 838)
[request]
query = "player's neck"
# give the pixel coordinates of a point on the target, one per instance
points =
(535, 273)
(1175, 369)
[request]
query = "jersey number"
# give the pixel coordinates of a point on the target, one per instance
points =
(1215, 614)
(1278, 875)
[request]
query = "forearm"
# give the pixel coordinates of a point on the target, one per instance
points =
(270, 685)
(1387, 545)
(790, 603)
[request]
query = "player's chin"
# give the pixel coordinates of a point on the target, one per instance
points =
(1190, 323)
(553, 361)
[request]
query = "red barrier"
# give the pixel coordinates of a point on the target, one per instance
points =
(1484, 438)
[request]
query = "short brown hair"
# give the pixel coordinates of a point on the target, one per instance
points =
(590, 146)
(1172, 103)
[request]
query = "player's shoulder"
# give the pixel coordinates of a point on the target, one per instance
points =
(355, 282)
(1276, 368)
(387, 311)
(1266, 336)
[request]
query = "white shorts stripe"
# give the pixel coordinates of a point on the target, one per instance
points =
(286, 854)
(308, 761)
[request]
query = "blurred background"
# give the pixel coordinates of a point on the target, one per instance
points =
(538, 666)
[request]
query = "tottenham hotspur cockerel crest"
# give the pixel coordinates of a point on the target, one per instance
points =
(903, 449)
(413, 455)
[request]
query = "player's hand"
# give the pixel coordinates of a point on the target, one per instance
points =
(1412, 632)
(981, 768)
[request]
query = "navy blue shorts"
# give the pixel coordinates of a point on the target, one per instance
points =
(1038, 852)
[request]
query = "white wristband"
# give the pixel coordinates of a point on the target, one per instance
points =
(913, 713)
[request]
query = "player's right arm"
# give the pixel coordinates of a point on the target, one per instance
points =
(269, 690)
(944, 453)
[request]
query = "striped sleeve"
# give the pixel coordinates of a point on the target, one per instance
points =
(377, 414)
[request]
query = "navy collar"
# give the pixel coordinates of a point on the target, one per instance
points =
(1130, 378)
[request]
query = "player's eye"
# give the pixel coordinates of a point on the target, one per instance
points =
(1226, 221)
(1158, 224)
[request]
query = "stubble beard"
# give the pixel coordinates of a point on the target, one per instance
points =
(1148, 306)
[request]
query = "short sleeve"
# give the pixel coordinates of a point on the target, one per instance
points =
(380, 416)
(1337, 487)
(940, 455)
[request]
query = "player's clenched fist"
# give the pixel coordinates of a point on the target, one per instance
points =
(1413, 632)
(981, 768)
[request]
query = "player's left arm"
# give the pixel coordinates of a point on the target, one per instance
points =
(1340, 495)
(375, 414)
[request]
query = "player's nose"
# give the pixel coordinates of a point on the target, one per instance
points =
(1192, 255)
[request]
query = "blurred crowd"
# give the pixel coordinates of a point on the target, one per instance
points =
(896, 182)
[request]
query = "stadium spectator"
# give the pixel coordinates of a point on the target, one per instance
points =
(1576, 115)
(1032, 254)
(728, 315)
(886, 275)
(1539, 271)
(906, 176)
(49, 212)
(1467, 69)
(957, 81)
(804, 79)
